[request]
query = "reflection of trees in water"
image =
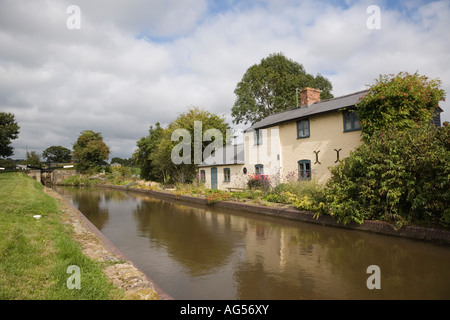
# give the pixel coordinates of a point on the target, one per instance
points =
(114, 195)
(198, 239)
(88, 201)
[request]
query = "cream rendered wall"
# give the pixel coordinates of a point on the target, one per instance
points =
(326, 135)
(268, 153)
(237, 178)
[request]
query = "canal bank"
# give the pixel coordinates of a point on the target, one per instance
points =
(440, 236)
(122, 271)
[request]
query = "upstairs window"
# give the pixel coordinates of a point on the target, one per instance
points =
(303, 128)
(258, 137)
(351, 121)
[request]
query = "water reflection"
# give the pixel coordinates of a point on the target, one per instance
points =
(200, 241)
(199, 253)
(89, 200)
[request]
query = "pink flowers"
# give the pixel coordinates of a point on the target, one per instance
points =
(258, 181)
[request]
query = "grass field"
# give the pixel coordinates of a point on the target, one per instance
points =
(35, 253)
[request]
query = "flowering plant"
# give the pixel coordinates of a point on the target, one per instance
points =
(258, 181)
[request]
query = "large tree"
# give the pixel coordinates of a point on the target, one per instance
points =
(146, 146)
(197, 124)
(159, 153)
(9, 130)
(90, 151)
(57, 154)
(270, 87)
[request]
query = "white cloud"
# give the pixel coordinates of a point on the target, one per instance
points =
(135, 63)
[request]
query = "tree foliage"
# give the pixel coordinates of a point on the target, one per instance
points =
(403, 100)
(146, 146)
(400, 176)
(90, 151)
(57, 154)
(33, 159)
(270, 87)
(9, 130)
(154, 153)
(123, 162)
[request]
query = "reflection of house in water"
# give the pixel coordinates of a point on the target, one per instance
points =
(194, 237)
(277, 256)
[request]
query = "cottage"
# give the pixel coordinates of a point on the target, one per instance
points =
(312, 137)
(303, 142)
(224, 168)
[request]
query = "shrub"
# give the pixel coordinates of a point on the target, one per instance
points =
(400, 176)
(80, 180)
(304, 195)
(217, 196)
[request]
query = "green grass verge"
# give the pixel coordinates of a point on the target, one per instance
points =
(35, 253)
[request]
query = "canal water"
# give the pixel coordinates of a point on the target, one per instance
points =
(196, 252)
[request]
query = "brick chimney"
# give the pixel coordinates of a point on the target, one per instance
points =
(308, 96)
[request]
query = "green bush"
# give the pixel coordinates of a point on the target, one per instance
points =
(120, 175)
(399, 176)
(304, 195)
(80, 180)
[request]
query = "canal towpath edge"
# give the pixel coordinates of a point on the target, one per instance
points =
(123, 272)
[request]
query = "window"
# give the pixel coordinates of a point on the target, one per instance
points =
(258, 137)
(304, 170)
(436, 121)
(226, 174)
(351, 121)
(202, 176)
(303, 128)
(259, 169)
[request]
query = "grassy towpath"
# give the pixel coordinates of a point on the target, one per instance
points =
(35, 253)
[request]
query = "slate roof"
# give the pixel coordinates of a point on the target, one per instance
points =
(316, 108)
(232, 154)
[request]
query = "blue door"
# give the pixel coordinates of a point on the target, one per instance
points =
(213, 178)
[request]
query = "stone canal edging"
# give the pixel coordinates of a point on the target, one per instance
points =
(412, 232)
(122, 272)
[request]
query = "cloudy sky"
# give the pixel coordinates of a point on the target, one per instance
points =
(133, 63)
